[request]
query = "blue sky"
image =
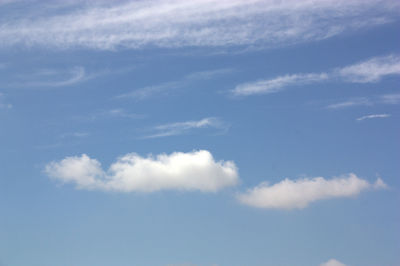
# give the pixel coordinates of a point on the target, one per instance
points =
(199, 133)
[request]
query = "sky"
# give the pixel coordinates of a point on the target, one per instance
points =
(199, 133)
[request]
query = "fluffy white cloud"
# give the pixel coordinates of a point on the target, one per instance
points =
(176, 23)
(373, 116)
(195, 170)
(332, 262)
(371, 70)
(298, 194)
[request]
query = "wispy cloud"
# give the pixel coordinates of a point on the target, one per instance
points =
(371, 70)
(390, 98)
(50, 78)
(195, 170)
(332, 262)
(173, 23)
(121, 113)
(298, 194)
(166, 87)
(75, 135)
(179, 128)
(373, 116)
(351, 103)
(364, 101)
(3, 104)
(277, 84)
(110, 114)
(5, 2)
(66, 139)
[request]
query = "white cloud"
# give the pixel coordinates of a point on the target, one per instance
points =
(182, 264)
(390, 98)
(180, 128)
(166, 87)
(175, 23)
(50, 78)
(298, 194)
(332, 262)
(373, 116)
(371, 70)
(121, 113)
(277, 84)
(109, 114)
(351, 103)
(5, 2)
(195, 170)
(363, 101)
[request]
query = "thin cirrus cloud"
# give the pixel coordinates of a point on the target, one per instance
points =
(108, 25)
(277, 84)
(298, 194)
(115, 113)
(351, 103)
(372, 70)
(332, 262)
(179, 128)
(3, 104)
(390, 98)
(51, 78)
(189, 171)
(369, 71)
(167, 87)
(364, 101)
(373, 116)
(75, 135)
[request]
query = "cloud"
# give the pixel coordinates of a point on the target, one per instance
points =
(109, 25)
(180, 128)
(351, 103)
(195, 170)
(298, 194)
(4, 105)
(277, 84)
(371, 70)
(5, 2)
(364, 101)
(332, 262)
(373, 116)
(146, 92)
(182, 264)
(390, 98)
(109, 114)
(75, 135)
(118, 112)
(51, 78)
